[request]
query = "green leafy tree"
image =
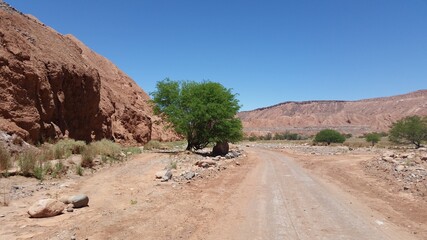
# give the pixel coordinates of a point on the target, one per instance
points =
(329, 136)
(373, 138)
(202, 112)
(412, 129)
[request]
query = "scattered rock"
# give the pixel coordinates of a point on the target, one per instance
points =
(70, 208)
(205, 163)
(399, 168)
(388, 159)
(2, 215)
(46, 208)
(79, 201)
(167, 176)
(160, 174)
(189, 175)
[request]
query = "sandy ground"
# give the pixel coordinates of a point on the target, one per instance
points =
(272, 194)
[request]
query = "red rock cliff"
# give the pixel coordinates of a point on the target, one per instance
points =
(52, 85)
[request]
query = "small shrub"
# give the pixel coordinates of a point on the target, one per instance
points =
(57, 171)
(106, 148)
(373, 138)
(64, 148)
(79, 170)
(132, 150)
(4, 158)
(27, 162)
(87, 157)
(173, 165)
(39, 171)
(5, 199)
(153, 144)
(252, 138)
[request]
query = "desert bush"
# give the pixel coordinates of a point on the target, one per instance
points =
(39, 171)
(132, 150)
(87, 157)
(153, 144)
(64, 148)
(373, 138)
(56, 171)
(329, 136)
(173, 165)
(27, 162)
(287, 136)
(252, 138)
(106, 148)
(79, 170)
(412, 129)
(4, 158)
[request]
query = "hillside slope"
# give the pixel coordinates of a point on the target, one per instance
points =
(53, 86)
(355, 117)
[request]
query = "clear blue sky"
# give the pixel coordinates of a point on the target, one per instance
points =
(266, 51)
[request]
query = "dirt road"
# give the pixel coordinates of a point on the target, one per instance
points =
(267, 196)
(280, 200)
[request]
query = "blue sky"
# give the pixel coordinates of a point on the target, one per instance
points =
(266, 51)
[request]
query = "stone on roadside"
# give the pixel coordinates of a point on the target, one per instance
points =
(206, 163)
(160, 174)
(388, 159)
(389, 154)
(70, 208)
(79, 201)
(46, 208)
(190, 175)
(167, 176)
(399, 168)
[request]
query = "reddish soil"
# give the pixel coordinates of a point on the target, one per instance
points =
(271, 194)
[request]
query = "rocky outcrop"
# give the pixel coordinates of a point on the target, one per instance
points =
(53, 86)
(355, 117)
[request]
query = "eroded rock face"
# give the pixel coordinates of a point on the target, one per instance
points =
(53, 86)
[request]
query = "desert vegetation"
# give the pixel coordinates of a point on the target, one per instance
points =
(329, 136)
(53, 160)
(411, 129)
(202, 112)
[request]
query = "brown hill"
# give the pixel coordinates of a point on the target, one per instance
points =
(53, 86)
(355, 117)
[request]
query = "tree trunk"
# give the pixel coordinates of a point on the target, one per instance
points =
(189, 147)
(221, 148)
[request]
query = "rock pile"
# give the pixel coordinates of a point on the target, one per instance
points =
(405, 170)
(189, 166)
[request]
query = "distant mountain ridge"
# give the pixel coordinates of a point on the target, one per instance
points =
(355, 117)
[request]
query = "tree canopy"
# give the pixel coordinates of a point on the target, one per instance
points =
(373, 138)
(203, 112)
(412, 129)
(329, 136)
